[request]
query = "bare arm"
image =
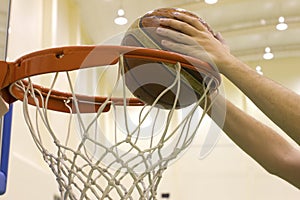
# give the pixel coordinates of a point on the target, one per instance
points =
(281, 105)
(263, 144)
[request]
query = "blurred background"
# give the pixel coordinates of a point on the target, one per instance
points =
(264, 34)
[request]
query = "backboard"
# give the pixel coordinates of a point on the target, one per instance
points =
(5, 121)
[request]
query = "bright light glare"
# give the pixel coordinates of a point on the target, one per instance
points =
(121, 12)
(268, 55)
(120, 20)
(259, 70)
(281, 26)
(211, 1)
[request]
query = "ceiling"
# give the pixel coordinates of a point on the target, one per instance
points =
(247, 25)
(239, 21)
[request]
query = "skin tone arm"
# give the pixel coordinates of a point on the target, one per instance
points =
(280, 104)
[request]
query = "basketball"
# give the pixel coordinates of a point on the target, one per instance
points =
(148, 80)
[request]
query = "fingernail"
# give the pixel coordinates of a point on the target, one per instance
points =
(162, 19)
(164, 42)
(159, 30)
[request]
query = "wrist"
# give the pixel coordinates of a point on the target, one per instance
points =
(230, 64)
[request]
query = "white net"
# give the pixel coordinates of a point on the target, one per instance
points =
(116, 154)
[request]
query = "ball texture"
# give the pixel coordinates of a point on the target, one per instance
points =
(147, 80)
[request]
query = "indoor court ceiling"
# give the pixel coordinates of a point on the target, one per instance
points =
(247, 25)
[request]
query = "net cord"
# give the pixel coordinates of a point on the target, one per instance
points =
(145, 183)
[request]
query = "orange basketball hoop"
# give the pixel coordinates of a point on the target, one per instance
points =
(113, 156)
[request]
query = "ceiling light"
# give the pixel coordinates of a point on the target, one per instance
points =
(121, 19)
(259, 70)
(281, 26)
(268, 55)
(211, 1)
(263, 22)
(121, 12)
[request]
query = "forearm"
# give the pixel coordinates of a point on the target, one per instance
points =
(262, 143)
(280, 104)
